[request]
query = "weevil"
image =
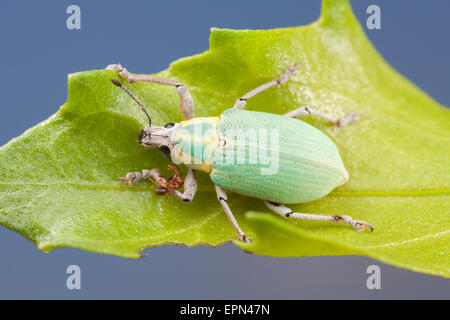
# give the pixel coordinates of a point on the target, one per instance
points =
(304, 164)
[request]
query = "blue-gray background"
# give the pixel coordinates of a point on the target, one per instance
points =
(37, 52)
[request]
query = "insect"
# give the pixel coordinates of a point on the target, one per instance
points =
(173, 183)
(166, 187)
(306, 166)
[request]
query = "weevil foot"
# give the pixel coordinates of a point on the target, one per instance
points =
(116, 67)
(132, 177)
(358, 225)
(244, 238)
(121, 70)
(349, 118)
(289, 72)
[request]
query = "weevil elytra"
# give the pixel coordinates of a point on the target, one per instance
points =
(304, 164)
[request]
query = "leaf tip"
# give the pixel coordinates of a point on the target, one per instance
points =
(336, 12)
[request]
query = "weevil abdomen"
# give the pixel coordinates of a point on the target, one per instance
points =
(295, 162)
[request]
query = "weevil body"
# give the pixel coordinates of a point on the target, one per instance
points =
(276, 158)
(308, 165)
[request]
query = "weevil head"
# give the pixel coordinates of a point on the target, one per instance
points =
(153, 136)
(158, 137)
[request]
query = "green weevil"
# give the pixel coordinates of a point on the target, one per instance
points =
(276, 158)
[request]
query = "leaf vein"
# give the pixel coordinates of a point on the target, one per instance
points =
(399, 243)
(355, 193)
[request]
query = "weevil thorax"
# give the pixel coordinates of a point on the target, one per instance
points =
(194, 142)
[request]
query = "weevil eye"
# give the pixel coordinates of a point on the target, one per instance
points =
(169, 125)
(142, 134)
(166, 151)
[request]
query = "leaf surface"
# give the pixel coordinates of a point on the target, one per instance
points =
(59, 180)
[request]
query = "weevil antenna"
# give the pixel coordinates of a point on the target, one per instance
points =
(118, 84)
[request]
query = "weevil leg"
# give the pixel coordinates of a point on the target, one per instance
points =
(134, 177)
(340, 122)
(186, 101)
(222, 197)
(290, 70)
(288, 213)
(189, 185)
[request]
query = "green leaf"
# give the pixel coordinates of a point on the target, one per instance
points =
(58, 183)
